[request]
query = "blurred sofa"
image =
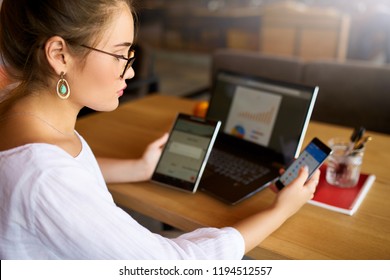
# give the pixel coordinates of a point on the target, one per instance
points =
(352, 93)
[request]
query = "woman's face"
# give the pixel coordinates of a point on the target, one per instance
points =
(98, 84)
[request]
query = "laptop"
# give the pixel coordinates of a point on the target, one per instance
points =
(263, 126)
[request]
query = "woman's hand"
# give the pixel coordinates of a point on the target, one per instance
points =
(293, 196)
(152, 154)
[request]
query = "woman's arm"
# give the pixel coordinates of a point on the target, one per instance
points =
(132, 170)
(256, 228)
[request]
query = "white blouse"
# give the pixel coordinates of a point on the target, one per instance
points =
(54, 206)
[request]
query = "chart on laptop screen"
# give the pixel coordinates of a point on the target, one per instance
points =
(252, 115)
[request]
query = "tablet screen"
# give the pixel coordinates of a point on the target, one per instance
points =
(186, 152)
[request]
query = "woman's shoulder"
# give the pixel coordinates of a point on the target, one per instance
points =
(19, 130)
(25, 167)
(16, 146)
(42, 151)
(41, 162)
(33, 155)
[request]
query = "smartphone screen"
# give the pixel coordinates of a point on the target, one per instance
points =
(312, 156)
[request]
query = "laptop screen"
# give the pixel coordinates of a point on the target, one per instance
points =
(262, 112)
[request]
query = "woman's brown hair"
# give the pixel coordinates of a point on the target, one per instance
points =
(26, 25)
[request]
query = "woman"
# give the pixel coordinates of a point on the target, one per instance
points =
(64, 55)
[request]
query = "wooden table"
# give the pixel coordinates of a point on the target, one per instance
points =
(313, 233)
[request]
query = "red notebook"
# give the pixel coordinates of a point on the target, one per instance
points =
(343, 200)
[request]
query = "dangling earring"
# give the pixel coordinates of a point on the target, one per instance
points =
(63, 89)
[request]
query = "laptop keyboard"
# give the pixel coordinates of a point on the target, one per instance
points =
(236, 168)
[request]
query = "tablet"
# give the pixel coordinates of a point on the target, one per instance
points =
(186, 152)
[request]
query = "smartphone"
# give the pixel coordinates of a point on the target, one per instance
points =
(186, 152)
(312, 156)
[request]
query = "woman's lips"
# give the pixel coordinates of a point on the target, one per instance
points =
(120, 92)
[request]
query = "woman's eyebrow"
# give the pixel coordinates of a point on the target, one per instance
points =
(125, 44)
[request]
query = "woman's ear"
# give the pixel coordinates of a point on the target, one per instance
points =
(57, 54)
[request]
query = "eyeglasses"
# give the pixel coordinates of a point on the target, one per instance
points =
(130, 59)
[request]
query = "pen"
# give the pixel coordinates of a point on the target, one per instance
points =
(357, 134)
(362, 143)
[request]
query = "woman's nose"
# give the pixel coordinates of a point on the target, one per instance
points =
(129, 74)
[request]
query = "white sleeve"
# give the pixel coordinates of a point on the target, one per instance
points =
(75, 220)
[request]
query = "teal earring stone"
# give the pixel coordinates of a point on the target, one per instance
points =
(63, 89)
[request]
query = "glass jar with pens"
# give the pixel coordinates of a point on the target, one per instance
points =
(346, 159)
